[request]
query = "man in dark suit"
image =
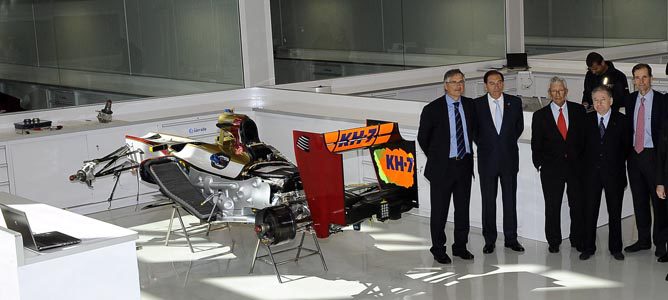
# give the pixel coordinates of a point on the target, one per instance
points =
(499, 125)
(557, 145)
(662, 182)
(646, 111)
(602, 72)
(607, 146)
(445, 136)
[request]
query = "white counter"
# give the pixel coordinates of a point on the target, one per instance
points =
(102, 266)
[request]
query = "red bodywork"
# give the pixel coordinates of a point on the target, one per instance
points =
(321, 168)
(324, 191)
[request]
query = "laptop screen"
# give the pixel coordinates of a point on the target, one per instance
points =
(516, 60)
(17, 220)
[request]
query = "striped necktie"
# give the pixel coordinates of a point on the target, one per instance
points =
(459, 131)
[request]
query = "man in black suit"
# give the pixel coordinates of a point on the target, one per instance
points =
(645, 109)
(557, 145)
(499, 125)
(602, 72)
(445, 136)
(662, 182)
(607, 145)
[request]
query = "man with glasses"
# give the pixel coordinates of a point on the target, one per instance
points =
(445, 135)
(557, 145)
(499, 125)
(646, 111)
(602, 72)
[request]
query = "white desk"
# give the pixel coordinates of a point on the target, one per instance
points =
(102, 266)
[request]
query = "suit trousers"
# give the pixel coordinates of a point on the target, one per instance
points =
(642, 179)
(661, 238)
(554, 181)
(458, 186)
(614, 194)
(488, 188)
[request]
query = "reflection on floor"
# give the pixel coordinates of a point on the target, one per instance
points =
(385, 261)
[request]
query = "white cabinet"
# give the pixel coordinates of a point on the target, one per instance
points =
(41, 168)
(4, 170)
(103, 143)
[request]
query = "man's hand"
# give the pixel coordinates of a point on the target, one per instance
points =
(661, 191)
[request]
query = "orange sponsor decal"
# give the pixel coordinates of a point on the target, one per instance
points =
(355, 138)
(395, 166)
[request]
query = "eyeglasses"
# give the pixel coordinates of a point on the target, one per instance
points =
(455, 82)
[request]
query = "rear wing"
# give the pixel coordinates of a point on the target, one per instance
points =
(320, 165)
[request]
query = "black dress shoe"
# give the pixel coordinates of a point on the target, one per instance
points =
(443, 259)
(637, 246)
(666, 277)
(660, 252)
(463, 254)
(488, 248)
(585, 255)
(618, 256)
(515, 247)
(663, 258)
(553, 249)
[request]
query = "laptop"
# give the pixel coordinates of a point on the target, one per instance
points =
(517, 61)
(17, 220)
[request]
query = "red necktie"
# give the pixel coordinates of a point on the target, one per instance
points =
(561, 124)
(639, 145)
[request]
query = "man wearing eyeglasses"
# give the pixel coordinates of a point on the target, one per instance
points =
(445, 135)
(557, 147)
(602, 72)
(499, 125)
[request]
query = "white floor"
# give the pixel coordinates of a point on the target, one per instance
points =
(384, 261)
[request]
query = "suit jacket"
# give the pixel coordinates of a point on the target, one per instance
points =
(662, 158)
(434, 135)
(658, 114)
(498, 152)
(607, 158)
(548, 148)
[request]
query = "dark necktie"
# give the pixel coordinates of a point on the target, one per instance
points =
(601, 129)
(459, 130)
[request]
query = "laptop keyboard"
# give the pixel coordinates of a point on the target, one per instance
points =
(54, 238)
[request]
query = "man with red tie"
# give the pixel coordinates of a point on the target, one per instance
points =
(557, 145)
(646, 111)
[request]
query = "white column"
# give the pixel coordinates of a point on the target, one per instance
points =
(256, 43)
(514, 26)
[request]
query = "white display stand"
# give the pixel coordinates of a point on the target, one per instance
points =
(102, 266)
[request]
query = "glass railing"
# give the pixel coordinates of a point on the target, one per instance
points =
(127, 47)
(319, 39)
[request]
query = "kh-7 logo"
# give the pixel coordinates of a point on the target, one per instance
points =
(355, 138)
(395, 166)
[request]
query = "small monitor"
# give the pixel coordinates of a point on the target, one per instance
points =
(516, 61)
